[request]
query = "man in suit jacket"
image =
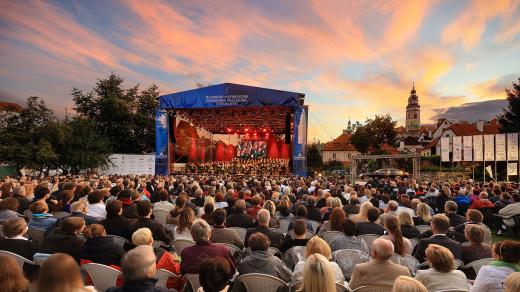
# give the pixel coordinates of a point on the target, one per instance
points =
(440, 226)
(263, 218)
(451, 211)
(15, 242)
(380, 270)
(240, 218)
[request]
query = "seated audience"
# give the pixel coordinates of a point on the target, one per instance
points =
(284, 209)
(79, 209)
(402, 245)
(313, 213)
(40, 219)
(441, 275)
(220, 202)
(335, 222)
(20, 195)
(271, 207)
(408, 284)
(255, 206)
(96, 207)
(163, 204)
(475, 249)
(208, 212)
(261, 261)
(100, 248)
(221, 234)
(317, 245)
(440, 225)
(144, 210)
(239, 218)
(423, 215)
(115, 223)
(11, 276)
(450, 208)
(380, 270)
(482, 202)
(61, 273)
(15, 242)
(139, 269)
(65, 239)
(8, 209)
(512, 282)
(301, 213)
(350, 241)
(473, 217)
(318, 275)
(128, 198)
(193, 256)
(408, 228)
(508, 212)
(215, 273)
(198, 199)
(370, 226)
(299, 238)
(507, 258)
(362, 216)
(275, 236)
(64, 200)
(185, 220)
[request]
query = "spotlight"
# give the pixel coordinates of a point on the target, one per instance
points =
(246, 129)
(229, 129)
(264, 129)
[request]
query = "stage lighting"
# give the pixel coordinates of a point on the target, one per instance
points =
(228, 129)
(265, 130)
(246, 129)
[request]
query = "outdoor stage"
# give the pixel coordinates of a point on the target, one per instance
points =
(230, 122)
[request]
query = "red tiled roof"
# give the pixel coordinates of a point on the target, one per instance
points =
(433, 143)
(400, 129)
(341, 143)
(10, 106)
(467, 129)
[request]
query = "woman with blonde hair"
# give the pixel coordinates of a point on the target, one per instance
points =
(271, 207)
(362, 216)
(408, 284)
(60, 272)
(317, 275)
(441, 275)
(316, 245)
(11, 276)
(512, 282)
(423, 215)
(408, 228)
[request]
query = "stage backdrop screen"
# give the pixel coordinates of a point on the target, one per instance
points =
(252, 149)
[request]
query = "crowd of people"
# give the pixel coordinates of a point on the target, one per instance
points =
(241, 166)
(303, 231)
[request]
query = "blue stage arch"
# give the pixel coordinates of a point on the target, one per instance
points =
(232, 95)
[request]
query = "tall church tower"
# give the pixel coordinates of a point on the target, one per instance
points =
(413, 114)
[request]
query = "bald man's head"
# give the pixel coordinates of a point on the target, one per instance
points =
(263, 217)
(382, 249)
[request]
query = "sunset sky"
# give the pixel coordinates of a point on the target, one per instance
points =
(351, 58)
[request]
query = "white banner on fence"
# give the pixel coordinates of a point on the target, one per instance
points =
(457, 148)
(478, 151)
(489, 147)
(512, 169)
(490, 171)
(125, 164)
(512, 146)
(445, 149)
(500, 147)
(468, 148)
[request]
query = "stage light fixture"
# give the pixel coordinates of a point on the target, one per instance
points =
(228, 129)
(246, 129)
(265, 130)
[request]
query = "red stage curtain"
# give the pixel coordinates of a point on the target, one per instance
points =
(202, 153)
(230, 152)
(193, 150)
(220, 152)
(272, 148)
(285, 150)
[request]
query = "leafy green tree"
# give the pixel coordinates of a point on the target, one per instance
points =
(361, 139)
(509, 121)
(374, 133)
(314, 159)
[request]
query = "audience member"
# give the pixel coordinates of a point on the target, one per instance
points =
(273, 221)
(185, 220)
(115, 223)
(14, 241)
(239, 218)
(362, 216)
(408, 228)
(214, 275)
(450, 208)
(40, 219)
(275, 236)
(335, 222)
(370, 226)
(65, 239)
(473, 216)
(11, 276)
(318, 275)
(402, 245)
(423, 215)
(100, 248)
(408, 284)
(8, 209)
(60, 272)
(440, 225)
(96, 207)
(144, 210)
(512, 282)
(221, 234)
(508, 212)
(20, 195)
(64, 200)
(79, 209)
(317, 245)
(475, 249)
(163, 204)
(299, 238)
(349, 241)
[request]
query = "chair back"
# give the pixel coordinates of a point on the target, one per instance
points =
(36, 234)
(457, 264)
(103, 277)
(20, 260)
(61, 214)
(162, 277)
(120, 240)
(193, 281)
(284, 225)
(308, 234)
(295, 286)
(329, 236)
(341, 288)
(375, 288)
(423, 228)
(235, 252)
(260, 283)
(274, 251)
(315, 225)
(181, 244)
(348, 258)
(414, 242)
(369, 239)
(39, 258)
(476, 265)
(240, 231)
(158, 243)
(293, 255)
(160, 215)
(410, 262)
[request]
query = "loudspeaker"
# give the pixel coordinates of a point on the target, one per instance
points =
(171, 128)
(287, 128)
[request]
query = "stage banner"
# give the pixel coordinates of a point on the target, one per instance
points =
(445, 149)
(299, 153)
(161, 143)
(126, 164)
(468, 148)
(457, 148)
(512, 146)
(500, 147)
(478, 151)
(489, 147)
(512, 168)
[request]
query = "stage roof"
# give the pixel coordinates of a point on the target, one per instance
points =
(233, 108)
(230, 95)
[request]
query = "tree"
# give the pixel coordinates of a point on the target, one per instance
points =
(509, 121)
(314, 159)
(125, 117)
(374, 133)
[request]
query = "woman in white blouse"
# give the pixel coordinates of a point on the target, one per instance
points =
(317, 245)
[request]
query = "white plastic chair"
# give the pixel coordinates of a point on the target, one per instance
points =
(315, 225)
(181, 244)
(158, 243)
(374, 288)
(255, 282)
(103, 277)
(293, 255)
(160, 215)
(476, 265)
(162, 277)
(40, 258)
(410, 262)
(348, 258)
(19, 259)
(342, 288)
(120, 240)
(235, 252)
(414, 243)
(193, 281)
(423, 228)
(36, 234)
(457, 264)
(61, 214)
(369, 239)
(329, 236)
(240, 231)
(284, 225)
